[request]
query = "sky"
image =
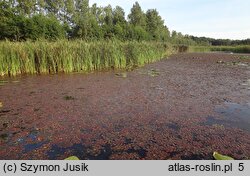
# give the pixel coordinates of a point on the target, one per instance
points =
(220, 19)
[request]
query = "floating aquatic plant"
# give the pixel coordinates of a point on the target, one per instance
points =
(244, 57)
(2, 82)
(218, 156)
(233, 63)
(153, 73)
(68, 98)
(4, 137)
(121, 75)
(72, 158)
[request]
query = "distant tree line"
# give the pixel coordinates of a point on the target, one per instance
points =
(56, 19)
(179, 38)
(219, 42)
(22, 20)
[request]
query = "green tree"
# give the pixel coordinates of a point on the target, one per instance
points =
(81, 19)
(108, 19)
(140, 33)
(68, 11)
(155, 25)
(137, 16)
(119, 31)
(119, 16)
(26, 7)
(42, 27)
(53, 19)
(54, 30)
(10, 23)
(95, 28)
(174, 34)
(54, 7)
(119, 22)
(40, 8)
(108, 22)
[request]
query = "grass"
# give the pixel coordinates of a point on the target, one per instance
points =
(43, 57)
(234, 49)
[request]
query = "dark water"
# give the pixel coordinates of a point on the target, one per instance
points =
(30, 147)
(35, 144)
(233, 115)
(80, 151)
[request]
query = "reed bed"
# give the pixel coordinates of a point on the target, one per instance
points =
(42, 57)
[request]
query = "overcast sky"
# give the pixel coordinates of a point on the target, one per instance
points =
(210, 18)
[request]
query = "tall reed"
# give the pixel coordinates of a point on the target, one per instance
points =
(44, 57)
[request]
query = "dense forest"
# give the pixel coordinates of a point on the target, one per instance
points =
(23, 20)
(56, 19)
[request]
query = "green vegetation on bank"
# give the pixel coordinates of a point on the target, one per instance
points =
(233, 49)
(71, 36)
(76, 19)
(22, 20)
(47, 36)
(77, 56)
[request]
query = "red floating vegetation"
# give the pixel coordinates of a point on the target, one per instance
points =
(139, 117)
